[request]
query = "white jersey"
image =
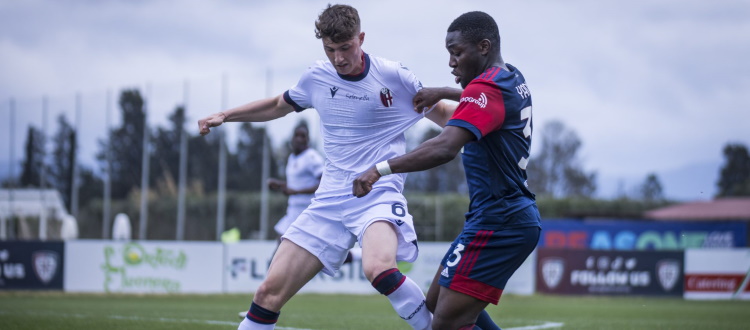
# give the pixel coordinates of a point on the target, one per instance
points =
(303, 171)
(362, 117)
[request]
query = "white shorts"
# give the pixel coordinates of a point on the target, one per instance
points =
(292, 212)
(329, 227)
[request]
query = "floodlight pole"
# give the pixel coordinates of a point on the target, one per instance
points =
(75, 183)
(143, 223)
(221, 195)
(108, 170)
(180, 234)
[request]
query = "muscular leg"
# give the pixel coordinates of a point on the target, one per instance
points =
(379, 247)
(291, 268)
(455, 310)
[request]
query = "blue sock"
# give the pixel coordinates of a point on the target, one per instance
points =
(388, 281)
(261, 315)
(485, 322)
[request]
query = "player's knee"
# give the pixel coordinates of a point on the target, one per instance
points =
(373, 268)
(268, 296)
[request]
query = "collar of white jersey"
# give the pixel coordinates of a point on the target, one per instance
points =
(361, 75)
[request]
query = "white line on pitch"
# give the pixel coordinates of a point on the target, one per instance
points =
(545, 325)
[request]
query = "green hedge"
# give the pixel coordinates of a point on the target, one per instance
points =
(436, 217)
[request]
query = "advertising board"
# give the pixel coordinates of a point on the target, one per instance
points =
(565, 271)
(31, 265)
(642, 235)
(717, 274)
(143, 266)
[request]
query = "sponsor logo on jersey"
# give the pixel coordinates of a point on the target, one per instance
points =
(334, 89)
(358, 98)
(668, 272)
(399, 222)
(45, 265)
(481, 101)
(552, 271)
(444, 273)
(385, 97)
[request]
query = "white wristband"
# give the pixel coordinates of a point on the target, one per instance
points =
(383, 168)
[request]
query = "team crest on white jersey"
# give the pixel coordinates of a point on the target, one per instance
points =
(481, 101)
(385, 97)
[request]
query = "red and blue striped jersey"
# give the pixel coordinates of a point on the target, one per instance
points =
(496, 108)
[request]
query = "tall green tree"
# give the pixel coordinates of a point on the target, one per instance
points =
(651, 189)
(63, 157)
(734, 178)
(126, 143)
(203, 160)
(34, 159)
(556, 171)
(246, 166)
(165, 164)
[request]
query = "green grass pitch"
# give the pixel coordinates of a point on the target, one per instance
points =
(55, 310)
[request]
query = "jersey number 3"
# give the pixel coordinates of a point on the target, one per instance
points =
(525, 115)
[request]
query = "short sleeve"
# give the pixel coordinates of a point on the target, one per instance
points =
(299, 95)
(409, 80)
(481, 108)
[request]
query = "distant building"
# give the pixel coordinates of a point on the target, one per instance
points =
(33, 208)
(733, 208)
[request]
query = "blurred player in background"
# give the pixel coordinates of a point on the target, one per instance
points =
(303, 171)
(491, 127)
(365, 105)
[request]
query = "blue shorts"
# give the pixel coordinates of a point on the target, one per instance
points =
(480, 262)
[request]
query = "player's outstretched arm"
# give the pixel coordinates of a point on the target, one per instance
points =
(257, 111)
(429, 97)
(431, 153)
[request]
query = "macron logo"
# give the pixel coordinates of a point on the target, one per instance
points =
(481, 101)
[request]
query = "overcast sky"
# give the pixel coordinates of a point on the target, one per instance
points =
(649, 86)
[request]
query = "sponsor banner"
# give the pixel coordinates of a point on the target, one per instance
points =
(31, 265)
(717, 274)
(564, 271)
(143, 266)
(642, 235)
(247, 265)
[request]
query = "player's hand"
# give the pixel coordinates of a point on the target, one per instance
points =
(362, 185)
(214, 120)
(275, 184)
(426, 98)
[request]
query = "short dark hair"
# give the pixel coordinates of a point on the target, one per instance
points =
(302, 124)
(338, 23)
(476, 26)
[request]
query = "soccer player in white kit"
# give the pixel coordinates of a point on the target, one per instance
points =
(365, 105)
(303, 171)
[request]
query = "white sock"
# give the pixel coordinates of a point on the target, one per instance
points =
(246, 324)
(409, 302)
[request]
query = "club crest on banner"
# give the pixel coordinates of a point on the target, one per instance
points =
(668, 272)
(45, 265)
(552, 271)
(385, 97)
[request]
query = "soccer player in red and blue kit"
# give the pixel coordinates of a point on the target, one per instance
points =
(491, 126)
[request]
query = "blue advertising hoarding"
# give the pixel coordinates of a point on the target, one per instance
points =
(641, 235)
(31, 265)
